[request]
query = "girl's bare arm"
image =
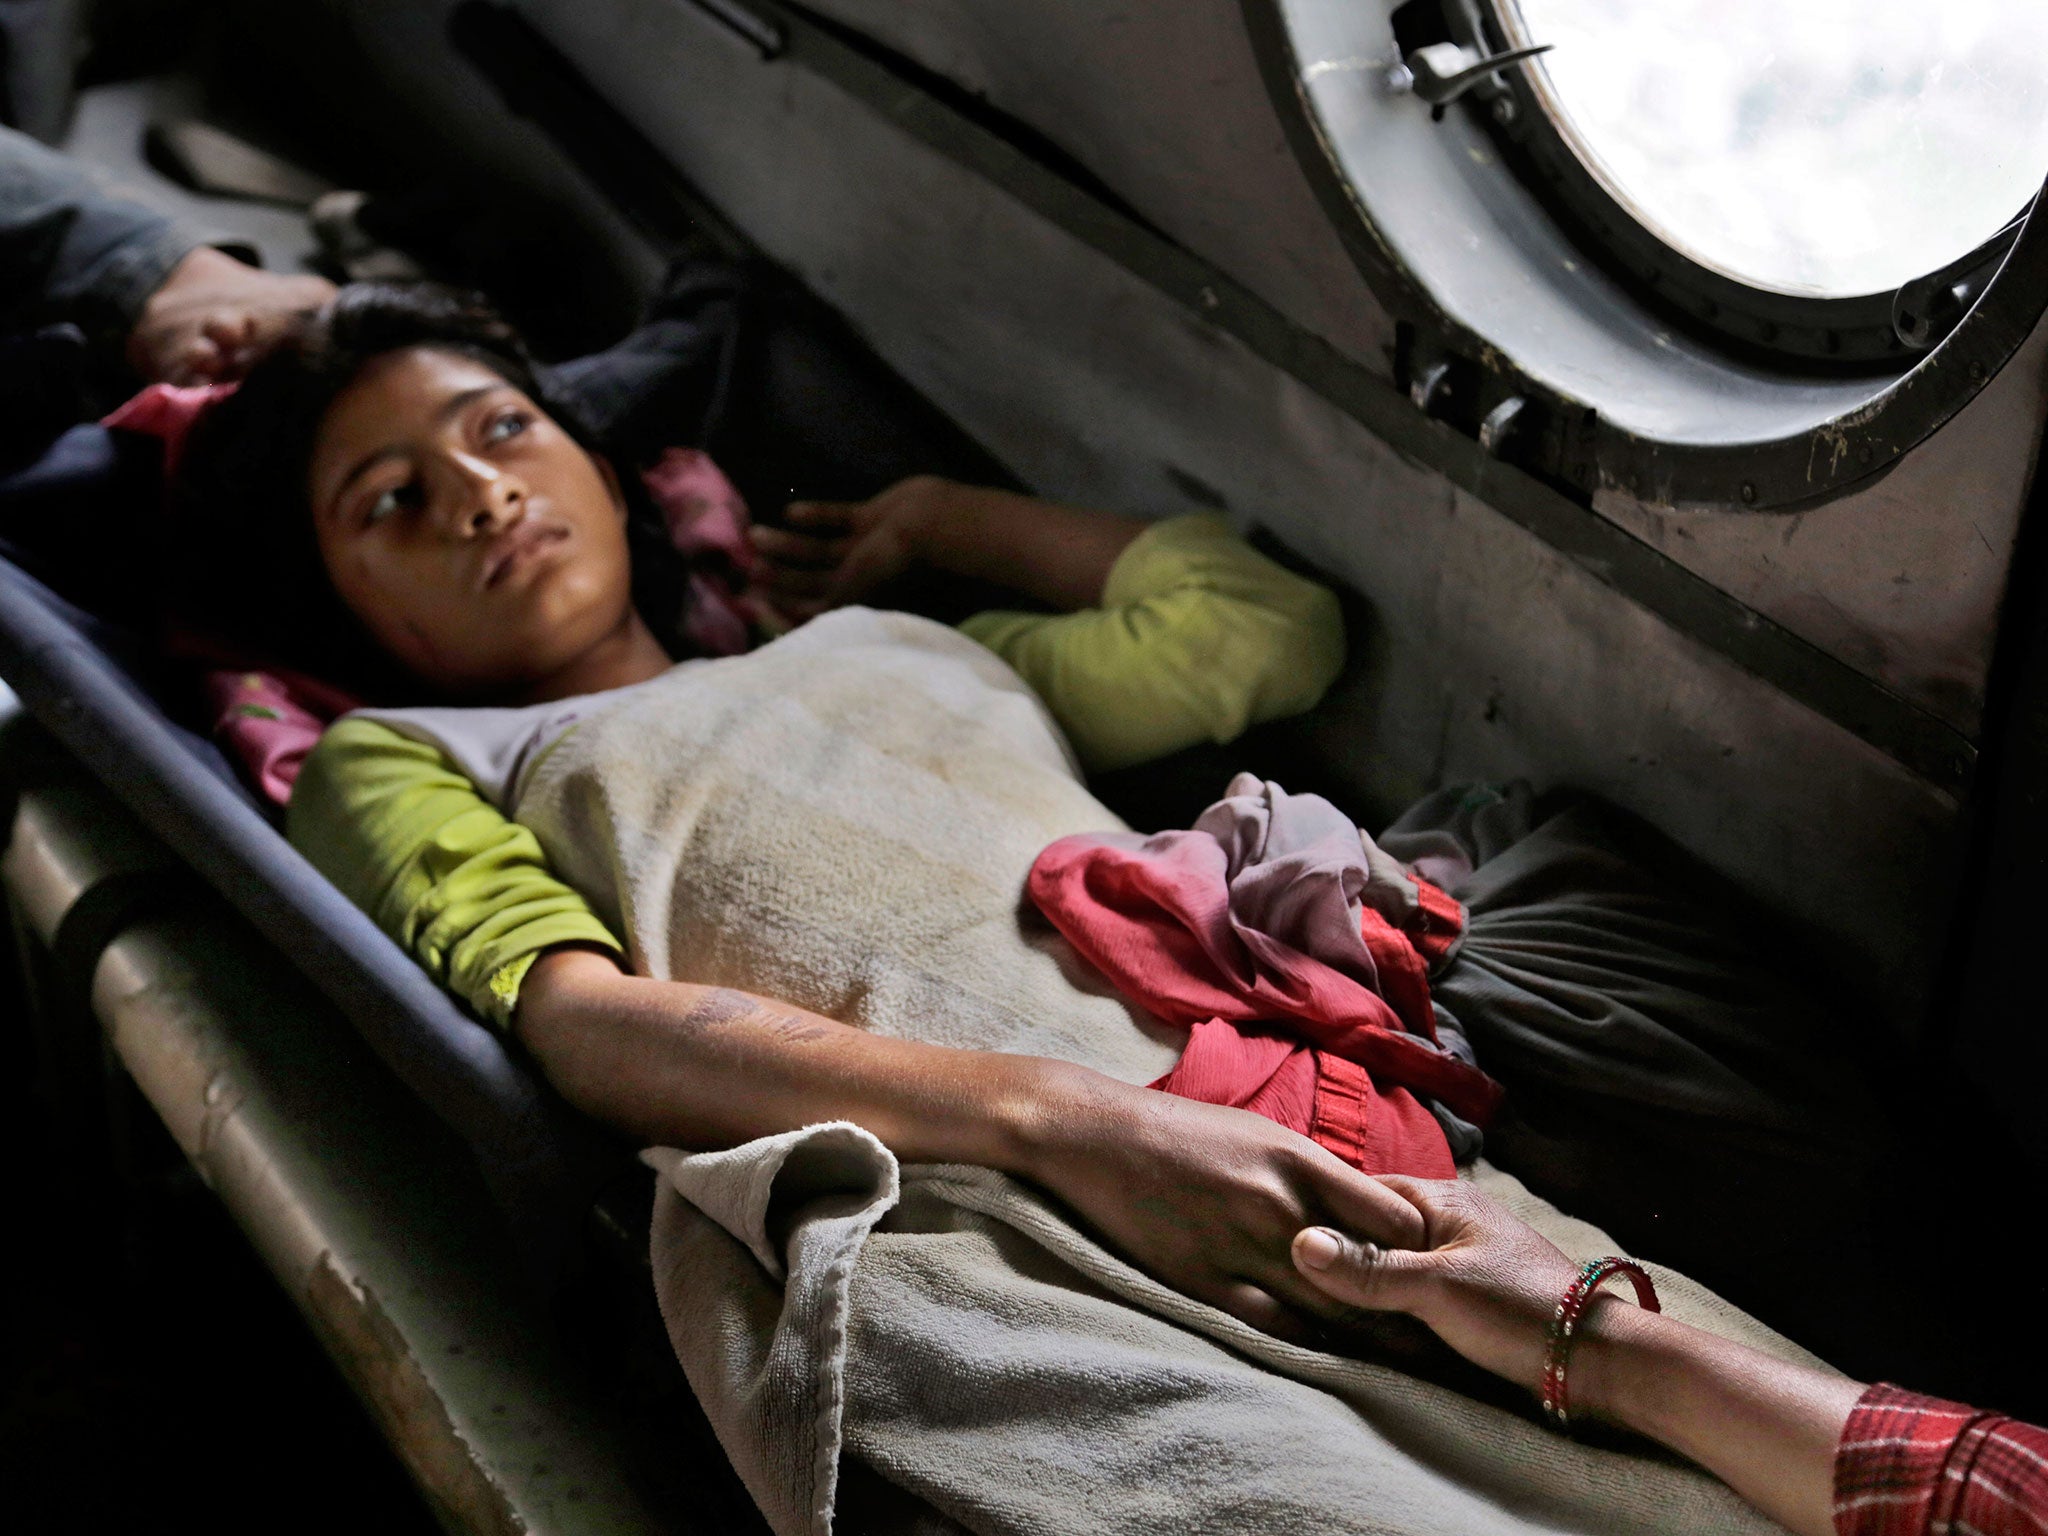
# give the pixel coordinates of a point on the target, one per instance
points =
(1205, 1198)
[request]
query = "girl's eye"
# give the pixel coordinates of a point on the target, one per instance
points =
(400, 498)
(511, 424)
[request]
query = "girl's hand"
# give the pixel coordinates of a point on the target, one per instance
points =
(1207, 1199)
(839, 552)
(1481, 1280)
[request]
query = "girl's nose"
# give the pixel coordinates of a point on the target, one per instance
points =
(493, 496)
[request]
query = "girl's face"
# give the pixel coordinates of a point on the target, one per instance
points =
(477, 541)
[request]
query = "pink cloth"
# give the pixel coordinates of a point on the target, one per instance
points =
(1265, 930)
(168, 412)
(268, 719)
(707, 521)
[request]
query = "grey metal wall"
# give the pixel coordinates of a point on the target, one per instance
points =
(1488, 654)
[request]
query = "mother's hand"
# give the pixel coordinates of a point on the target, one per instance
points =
(1207, 1199)
(1483, 1281)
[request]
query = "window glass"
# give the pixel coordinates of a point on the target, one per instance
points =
(1828, 148)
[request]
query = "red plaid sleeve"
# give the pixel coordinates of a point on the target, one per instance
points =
(1917, 1466)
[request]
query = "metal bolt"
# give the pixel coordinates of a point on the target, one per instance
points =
(1748, 493)
(1503, 110)
(1499, 425)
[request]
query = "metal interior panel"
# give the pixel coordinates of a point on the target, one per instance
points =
(1161, 104)
(1165, 105)
(1904, 579)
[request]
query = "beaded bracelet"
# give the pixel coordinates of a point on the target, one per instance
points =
(1564, 1322)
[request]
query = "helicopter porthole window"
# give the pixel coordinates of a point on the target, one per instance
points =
(1825, 149)
(1831, 151)
(1693, 252)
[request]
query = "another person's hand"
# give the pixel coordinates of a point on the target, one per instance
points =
(1207, 1199)
(839, 552)
(213, 317)
(1484, 1282)
(1487, 1285)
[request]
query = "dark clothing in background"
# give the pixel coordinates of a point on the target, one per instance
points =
(70, 250)
(77, 263)
(1671, 1074)
(736, 359)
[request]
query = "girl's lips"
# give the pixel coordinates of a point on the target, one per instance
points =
(518, 544)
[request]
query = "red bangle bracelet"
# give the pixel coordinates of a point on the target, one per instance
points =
(1564, 1323)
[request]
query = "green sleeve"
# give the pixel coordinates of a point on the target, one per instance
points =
(1199, 636)
(408, 838)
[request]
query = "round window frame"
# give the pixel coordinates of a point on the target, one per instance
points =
(1853, 331)
(1808, 429)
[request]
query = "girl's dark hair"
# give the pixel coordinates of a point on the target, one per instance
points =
(245, 563)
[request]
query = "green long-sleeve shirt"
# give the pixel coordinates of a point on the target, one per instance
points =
(1198, 636)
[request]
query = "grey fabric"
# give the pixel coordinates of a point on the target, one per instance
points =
(782, 1389)
(842, 819)
(956, 1333)
(72, 250)
(1297, 865)
(1670, 1073)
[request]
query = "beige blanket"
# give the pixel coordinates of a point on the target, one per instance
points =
(844, 819)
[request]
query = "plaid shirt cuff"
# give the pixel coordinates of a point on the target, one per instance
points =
(1910, 1465)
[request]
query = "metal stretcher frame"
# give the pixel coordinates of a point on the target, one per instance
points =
(541, 1161)
(355, 1197)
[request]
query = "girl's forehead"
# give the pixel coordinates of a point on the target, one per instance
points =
(407, 388)
(398, 399)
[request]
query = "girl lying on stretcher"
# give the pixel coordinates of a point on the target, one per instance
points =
(718, 899)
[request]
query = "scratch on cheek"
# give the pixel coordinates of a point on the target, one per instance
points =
(423, 640)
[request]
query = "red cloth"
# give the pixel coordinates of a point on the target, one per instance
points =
(1909, 1465)
(1273, 1029)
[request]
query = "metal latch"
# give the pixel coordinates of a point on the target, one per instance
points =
(1442, 72)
